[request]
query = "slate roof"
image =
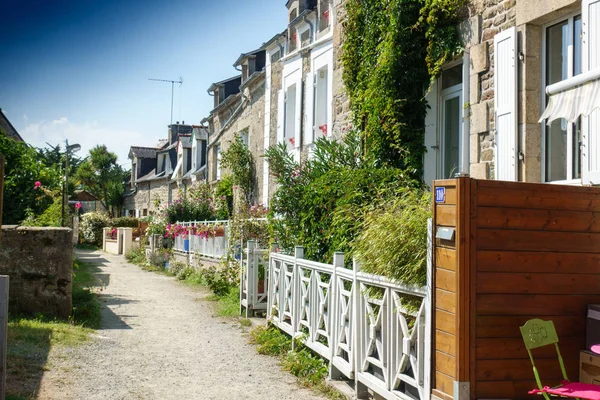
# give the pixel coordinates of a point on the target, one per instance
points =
(143, 152)
(8, 128)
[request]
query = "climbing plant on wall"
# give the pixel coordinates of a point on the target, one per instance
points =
(391, 51)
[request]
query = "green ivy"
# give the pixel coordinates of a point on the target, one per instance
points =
(238, 159)
(392, 50)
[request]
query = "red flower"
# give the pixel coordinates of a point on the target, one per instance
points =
(78, 205)
(326, 14)
(323, 129)
(37, 185)
(293, 141)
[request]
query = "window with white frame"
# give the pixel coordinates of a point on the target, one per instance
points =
(291, 109)
(563, 60)
(321, 102)
(450, 102)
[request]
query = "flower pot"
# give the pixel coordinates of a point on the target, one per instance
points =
(261, 286)
(220, 231)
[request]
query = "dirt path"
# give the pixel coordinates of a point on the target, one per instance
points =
(159, 340)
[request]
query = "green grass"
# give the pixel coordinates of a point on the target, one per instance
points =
(29, 343)
(310, 369)
(229, 304)
(86, 308)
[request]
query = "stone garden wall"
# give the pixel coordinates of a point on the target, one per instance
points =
(39, 262)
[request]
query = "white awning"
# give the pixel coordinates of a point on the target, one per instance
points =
(568, 99)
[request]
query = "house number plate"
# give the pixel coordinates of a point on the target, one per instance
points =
(440, 195)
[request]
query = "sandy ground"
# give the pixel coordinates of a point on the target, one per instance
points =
(161, 340)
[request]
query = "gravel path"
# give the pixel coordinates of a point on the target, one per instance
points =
(160, 340)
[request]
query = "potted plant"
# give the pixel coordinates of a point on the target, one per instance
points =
(261, 278)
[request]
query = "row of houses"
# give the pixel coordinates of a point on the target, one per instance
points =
(521, 58)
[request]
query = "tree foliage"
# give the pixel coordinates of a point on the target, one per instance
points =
(22, 170)
(100, 174)
(239, 161)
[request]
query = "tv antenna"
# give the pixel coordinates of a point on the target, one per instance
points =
(180, 81)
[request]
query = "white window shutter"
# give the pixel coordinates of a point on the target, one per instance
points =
(505, 102)
(309, 109)
(280, 115)
(298, 133)
(590, 155)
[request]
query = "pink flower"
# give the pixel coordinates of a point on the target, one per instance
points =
(37, 185)
(78, 205)
(223, 197)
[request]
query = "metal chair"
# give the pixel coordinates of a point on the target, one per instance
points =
(537, 333)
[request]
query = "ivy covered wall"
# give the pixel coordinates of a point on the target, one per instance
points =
(392, 50)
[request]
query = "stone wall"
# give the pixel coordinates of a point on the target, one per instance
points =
(276, 82)
(39, 262)
(149, 195)
(342, 116)
(496, 16)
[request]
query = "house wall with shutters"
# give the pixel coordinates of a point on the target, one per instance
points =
(488, 18)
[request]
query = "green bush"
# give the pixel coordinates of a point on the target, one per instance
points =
(316, 202)
(217, 279)
(92, 225)
(393, 238)
(270, 341)
(125, 222)
(180, 270)
(136, 255)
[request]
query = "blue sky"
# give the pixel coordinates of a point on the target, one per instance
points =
(79, 69)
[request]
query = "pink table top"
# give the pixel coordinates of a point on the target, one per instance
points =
(596, 348)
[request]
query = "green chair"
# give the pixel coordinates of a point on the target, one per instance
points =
(537, 333)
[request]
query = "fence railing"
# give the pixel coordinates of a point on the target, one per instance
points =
(214, 245)
(370, 329)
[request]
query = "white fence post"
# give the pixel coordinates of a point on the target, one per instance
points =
(428, 313)
(332, 309)
(295, 303)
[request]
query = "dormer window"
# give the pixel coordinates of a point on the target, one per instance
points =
(293, 14)
(293, 40)
(245, 72)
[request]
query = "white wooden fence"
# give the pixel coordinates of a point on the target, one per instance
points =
(214, 247)
(371, 330)
(254, 268)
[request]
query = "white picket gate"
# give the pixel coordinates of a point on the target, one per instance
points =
(372, 330)
(253, 289)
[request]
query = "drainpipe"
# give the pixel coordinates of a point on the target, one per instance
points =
(465, 159)
(311, 27)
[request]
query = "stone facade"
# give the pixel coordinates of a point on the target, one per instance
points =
(151, 195)
(39, 262)
(246, 114)
(342, 116)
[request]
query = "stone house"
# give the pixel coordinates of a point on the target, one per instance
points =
(521, 58)
(240, 112)
(154, 171)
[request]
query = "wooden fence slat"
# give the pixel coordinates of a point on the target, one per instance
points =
(516, 240)
(543, 220)
(445, 363)
(509, 370)
(445, 342)
(446, 215)
(538, 196)
(534, 304)
(547, 262)
(446, 322)
(513, 348)
(537, 283)
(445, 279)
(445, 258)
(445, 300)
(508, 326)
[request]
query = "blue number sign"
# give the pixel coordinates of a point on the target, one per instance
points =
(440, 195)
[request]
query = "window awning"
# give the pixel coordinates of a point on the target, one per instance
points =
(573, 97)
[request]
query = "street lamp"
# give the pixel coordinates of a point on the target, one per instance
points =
(69, 149)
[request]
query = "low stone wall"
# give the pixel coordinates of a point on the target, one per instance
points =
(39, 262)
